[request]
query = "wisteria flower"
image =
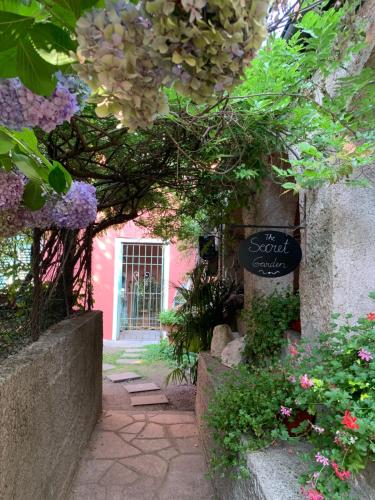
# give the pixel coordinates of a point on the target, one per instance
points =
(349, 421)
(343, 475)
(365, 355)
(371, 316)
(321, 459)
(286, 412)
(318, 429)
(305, 382)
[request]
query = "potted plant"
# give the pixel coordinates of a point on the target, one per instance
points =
(169, 319)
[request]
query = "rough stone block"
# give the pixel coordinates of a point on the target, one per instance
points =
(222, 335)
(232, 354)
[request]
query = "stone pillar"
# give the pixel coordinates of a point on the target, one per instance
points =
(270, 207)
(338, 263)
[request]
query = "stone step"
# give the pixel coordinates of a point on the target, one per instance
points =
(129, 361)
(154, 399)
(107, 366)
(141, 387)
(123, 377)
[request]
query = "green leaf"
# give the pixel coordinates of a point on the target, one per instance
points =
(32, 8)
(6, 143)
(372, 295)
(57, 180)
(68, 177)
(33, 196)
(13, 28)
(34, 72)
(30, 167)
(8, 67)
(52, 43)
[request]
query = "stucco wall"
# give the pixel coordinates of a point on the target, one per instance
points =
(338, 267)
(104, 269)
(338, 245)
(50, 399)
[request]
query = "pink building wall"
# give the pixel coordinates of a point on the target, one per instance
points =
(103, 270)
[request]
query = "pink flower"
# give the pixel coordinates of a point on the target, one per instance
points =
(285, 412)
(365, 355)
(305, 382)
(371, 316)
(312, 494)
(318, 429)
(321, 459)
(343, 475)
(292, 379)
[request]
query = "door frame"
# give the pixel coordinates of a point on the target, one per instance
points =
(117, 275)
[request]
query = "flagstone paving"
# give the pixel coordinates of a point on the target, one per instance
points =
(143, 456)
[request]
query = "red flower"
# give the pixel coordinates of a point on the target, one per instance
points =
(343, 475)
(371, 316)
(293, 351)
(349, 421)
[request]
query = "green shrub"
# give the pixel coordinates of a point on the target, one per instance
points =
(205, 305)
(169, 317)
(245, 405)
(266, 321)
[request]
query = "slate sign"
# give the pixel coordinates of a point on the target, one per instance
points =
(270, 254)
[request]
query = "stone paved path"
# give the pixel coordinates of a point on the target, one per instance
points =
(152, 455)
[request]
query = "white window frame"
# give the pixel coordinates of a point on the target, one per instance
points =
(118, 266)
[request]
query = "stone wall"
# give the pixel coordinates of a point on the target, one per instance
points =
(50, 400)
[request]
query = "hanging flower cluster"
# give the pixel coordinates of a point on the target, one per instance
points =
(20, 107)
(200, 47)
(118, 63)
(74, 210)
(77, 209)
(207, 42)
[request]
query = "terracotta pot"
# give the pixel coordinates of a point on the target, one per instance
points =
(296, 325)
(296, 419)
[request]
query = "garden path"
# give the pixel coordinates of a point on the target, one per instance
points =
(145, 453)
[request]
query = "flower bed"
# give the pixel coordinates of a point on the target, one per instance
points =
(333, 382)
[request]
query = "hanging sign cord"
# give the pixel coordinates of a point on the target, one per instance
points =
(267, 227)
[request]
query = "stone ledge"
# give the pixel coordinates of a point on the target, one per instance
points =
(274, 471)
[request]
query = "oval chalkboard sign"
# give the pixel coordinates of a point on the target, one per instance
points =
(270, 254)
